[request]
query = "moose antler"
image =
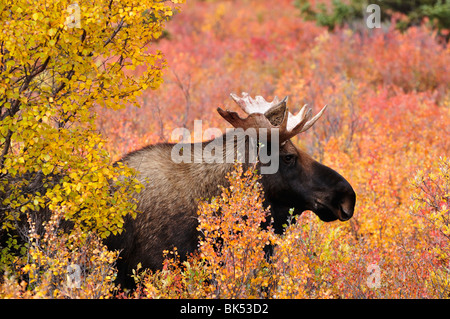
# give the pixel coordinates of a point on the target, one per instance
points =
(270, 115)
(257, 105)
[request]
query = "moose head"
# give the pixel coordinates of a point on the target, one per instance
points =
(300, 182)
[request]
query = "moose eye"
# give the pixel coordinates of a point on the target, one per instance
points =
(289, 158)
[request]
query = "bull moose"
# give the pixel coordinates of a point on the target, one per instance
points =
(168, 202)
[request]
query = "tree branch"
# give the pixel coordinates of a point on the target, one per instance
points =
(114, 33)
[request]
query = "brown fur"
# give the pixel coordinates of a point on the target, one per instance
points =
(168, 205)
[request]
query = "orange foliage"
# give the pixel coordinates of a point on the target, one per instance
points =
(386, 131)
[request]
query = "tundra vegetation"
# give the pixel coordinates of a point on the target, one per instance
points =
(291, 180)
(68, 100)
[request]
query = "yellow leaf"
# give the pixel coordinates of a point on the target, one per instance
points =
(51, 32)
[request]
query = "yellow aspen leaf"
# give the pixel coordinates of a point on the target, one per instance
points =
(51, 32)
(36, 16)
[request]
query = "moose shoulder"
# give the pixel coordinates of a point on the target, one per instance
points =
(168, 202)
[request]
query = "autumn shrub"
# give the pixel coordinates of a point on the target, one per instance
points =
(387, 119)
(59, 264)
(233, 241)
(59, 61)
(304, 259)
(311, 259)
(337, 13)
(231, 261)
(384, 130)
(431, 204)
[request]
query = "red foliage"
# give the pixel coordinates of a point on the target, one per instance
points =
(387, 121)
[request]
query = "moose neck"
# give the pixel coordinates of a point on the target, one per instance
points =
(209, 162)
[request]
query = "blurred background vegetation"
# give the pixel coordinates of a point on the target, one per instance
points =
(407, 13)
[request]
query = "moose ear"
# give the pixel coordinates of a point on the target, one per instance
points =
(278, 113)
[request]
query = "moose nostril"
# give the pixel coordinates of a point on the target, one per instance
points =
(346, 213)
(347, 207)
(348, 201)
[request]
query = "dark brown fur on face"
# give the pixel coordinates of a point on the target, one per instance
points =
(168, 203)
